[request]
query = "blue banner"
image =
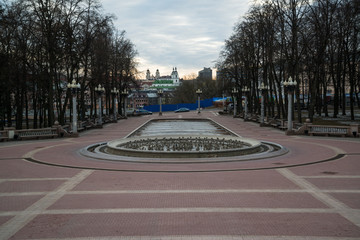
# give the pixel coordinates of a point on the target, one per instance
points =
(172, 107)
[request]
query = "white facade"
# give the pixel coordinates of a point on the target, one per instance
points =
(165, 82)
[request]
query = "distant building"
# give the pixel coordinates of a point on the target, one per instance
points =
(167, 82)
(147, 95)
(143, 98)
(206, 73)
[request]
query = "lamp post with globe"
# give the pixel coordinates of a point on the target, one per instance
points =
(99, 90)
(263, 88)
(245, 91)
(234, 92)
(198, 92)
(114, 92)
(73, 86)
(290, 86)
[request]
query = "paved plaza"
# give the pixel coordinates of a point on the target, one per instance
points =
(49, 191)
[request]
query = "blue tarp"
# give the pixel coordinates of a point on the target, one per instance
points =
(172, 107)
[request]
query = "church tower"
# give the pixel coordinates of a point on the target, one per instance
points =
(157, 76)
(148, 74)
(175, 76)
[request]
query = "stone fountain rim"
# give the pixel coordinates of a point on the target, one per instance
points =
(98, 154)
(112, 148)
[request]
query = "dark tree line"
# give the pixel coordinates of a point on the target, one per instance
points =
(45, 44)
(186, 92)
(315, 43)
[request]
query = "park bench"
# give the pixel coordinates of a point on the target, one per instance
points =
(283, 127)
(36, 133)
(253, 117)
(107, 119)
(85, 125)
(278, 123)
(81, 126)
(328, 130)
(275, 123)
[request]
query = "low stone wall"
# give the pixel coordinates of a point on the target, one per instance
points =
(353, 130)
(326, 130)
(36, 133)
(10, 133)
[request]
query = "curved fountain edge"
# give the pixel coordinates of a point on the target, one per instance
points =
(114, 147)
(98, 153)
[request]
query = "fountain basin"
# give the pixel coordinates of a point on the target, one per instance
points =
(182, 141)
(183, 146)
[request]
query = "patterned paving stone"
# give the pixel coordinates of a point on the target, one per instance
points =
(17, 203)
(4, 219)
(29, 186)
(317, 202)
(183, 200)
(150, 181)
(137, 224)
(17, 168)
(350, 199)
(336, 183)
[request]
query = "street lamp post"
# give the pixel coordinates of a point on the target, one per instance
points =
(160, 92)
(99, 90)
(245, 91)
(74, 87)
(114, 92)
(125, 93)
(234, 92)
(290, 87)
(198, 92)
(263, 88)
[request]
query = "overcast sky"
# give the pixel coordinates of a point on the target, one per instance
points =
(187, 34)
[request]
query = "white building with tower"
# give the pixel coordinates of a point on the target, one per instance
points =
(165, 82)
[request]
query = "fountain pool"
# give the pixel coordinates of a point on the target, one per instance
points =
(183, 141)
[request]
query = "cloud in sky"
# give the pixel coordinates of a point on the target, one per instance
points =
(187, 34)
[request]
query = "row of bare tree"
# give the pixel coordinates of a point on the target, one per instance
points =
(315, 42)
(186, 92)
(45, 44)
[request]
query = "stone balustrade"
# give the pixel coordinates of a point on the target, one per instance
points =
(329, 130)
(36, 133)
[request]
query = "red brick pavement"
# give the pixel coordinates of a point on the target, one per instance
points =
(188, 200)
(16, 203)
(155, 224)
(316, 201)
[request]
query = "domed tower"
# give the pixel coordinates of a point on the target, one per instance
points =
(148, 74)
(175, 76)
(157, 76)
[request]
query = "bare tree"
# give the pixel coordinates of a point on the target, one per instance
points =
(44, 44)
(314, 42)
